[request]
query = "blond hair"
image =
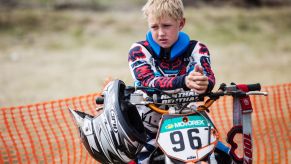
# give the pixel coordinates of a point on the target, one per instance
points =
(162, 8)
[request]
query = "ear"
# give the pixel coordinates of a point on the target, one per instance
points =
(182, 23)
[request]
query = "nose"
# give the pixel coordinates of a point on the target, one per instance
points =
(161, 32)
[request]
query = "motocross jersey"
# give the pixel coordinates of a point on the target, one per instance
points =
(152, 66)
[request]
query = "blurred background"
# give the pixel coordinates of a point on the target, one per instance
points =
(54, 49)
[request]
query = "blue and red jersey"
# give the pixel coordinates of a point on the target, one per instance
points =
(152, 66)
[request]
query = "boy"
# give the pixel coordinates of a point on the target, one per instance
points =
(167, 60)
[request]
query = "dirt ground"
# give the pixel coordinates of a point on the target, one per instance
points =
(47, 55)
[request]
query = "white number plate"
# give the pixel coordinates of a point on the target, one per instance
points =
(186, 138)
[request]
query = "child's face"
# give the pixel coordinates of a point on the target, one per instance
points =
(165, 30)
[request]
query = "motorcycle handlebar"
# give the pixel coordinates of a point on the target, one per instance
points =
(223, 90)
(99, 100)
(254, 87)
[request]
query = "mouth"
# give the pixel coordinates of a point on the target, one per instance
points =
(163, 40)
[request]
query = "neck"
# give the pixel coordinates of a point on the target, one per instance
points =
(165, 53)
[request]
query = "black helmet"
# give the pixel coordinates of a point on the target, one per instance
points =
(117, 135)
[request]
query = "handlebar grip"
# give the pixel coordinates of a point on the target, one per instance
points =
(254, 87)
(99, 100)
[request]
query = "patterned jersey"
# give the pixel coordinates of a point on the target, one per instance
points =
(150, 69)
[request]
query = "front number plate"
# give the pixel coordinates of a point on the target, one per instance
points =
(185, 138)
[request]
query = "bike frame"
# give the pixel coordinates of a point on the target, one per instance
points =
(242, 110)
(242, 120)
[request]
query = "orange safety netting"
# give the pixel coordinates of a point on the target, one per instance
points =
(46, 133)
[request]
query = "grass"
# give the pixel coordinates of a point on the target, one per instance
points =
(47, 54)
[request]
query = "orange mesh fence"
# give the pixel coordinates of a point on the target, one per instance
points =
(46, 133)
(270, 122)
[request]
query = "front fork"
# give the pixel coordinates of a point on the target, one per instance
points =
(242, 124)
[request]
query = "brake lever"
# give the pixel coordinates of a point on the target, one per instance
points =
(257, 93)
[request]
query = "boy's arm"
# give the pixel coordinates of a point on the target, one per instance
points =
(202, 56)
(143, 71)
(209, 73)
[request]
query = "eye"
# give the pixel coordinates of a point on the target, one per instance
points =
(154, 27)
(167, 25)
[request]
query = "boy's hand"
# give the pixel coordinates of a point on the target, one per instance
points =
(196, 81)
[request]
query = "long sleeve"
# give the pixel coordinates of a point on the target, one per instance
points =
(201, 56)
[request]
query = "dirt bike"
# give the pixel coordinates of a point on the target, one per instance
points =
(186, 133)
